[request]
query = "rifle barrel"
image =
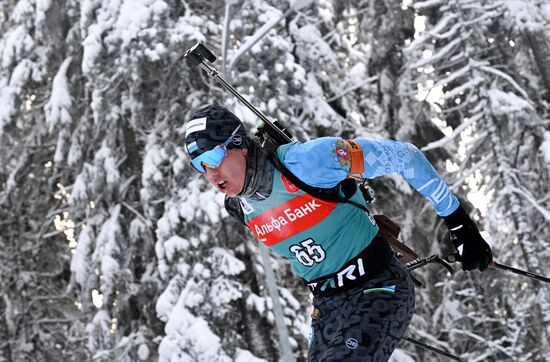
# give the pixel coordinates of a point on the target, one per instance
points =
(213, 73)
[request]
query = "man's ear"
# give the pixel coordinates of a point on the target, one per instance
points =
(244, 151)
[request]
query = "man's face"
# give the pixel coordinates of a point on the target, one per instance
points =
(229, 176)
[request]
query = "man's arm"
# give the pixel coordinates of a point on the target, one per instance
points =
(325, 162)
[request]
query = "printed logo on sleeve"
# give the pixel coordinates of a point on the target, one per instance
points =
(341, 151)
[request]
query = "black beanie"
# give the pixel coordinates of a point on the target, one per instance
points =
(211, 126)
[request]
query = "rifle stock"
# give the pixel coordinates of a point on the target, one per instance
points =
(390, 231)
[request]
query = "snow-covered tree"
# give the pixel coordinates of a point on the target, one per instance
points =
(113, 249)
(487, 88)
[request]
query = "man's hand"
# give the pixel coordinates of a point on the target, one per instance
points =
(476, 253)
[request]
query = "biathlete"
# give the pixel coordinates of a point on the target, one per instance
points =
(363, 296)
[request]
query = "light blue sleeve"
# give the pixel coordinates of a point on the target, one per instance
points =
(324, 162)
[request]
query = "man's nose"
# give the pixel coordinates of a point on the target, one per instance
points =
(210, 172)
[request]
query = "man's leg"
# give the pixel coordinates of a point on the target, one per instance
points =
(364, 324)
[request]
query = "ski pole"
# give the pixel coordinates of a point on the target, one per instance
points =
(520, 272)
(456, 257)
(433, 349)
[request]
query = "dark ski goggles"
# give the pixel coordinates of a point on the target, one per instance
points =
(214, 157)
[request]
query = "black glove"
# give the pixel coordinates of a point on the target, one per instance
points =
(476, 253)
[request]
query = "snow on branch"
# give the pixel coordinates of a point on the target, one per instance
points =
(274, 17)
(57, 108)
(18, 43)
(352, 88)
(435, 32)
(529, 197)
(9, 94)
(545, 148)
(428, 4)
(461, 88)
(460, 180)
(506, 77)
(453, 76)
(489, 343)
(226, 261)
(440, 54)
(506, 103)
(452, 136)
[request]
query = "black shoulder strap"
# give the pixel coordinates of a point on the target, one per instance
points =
(347, 186)
(233, 208)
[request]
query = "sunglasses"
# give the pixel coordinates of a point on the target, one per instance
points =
(214, 157)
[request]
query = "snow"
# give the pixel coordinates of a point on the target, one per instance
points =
(101, 319)
(289, 298)
(186, 30)
(316, 104)
(168, 299)
(186, 332)
(358, 72)
(175, 244)
(271, 18)
(156, 53)
(311, 38)
(223, 292)
(105, 159)
(16, 45)
(506, 103)
(242, 355)
(22, 11)
(42, 6)
(133, 17)
(256, 302)
(154, 157)
(107, 249)
(57, 108)
(400, 355)
(545, 148)
(19, 77)
(226, 262)
(199, 269)
(80, 267)
(109, 266)
(92, 47)
(525, 14)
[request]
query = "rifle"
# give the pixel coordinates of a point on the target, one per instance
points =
(271, 134)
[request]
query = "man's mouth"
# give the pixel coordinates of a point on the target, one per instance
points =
(222, 185)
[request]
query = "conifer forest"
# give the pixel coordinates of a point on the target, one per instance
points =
(113, 249)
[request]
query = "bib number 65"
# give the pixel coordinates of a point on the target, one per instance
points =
(307, 252)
